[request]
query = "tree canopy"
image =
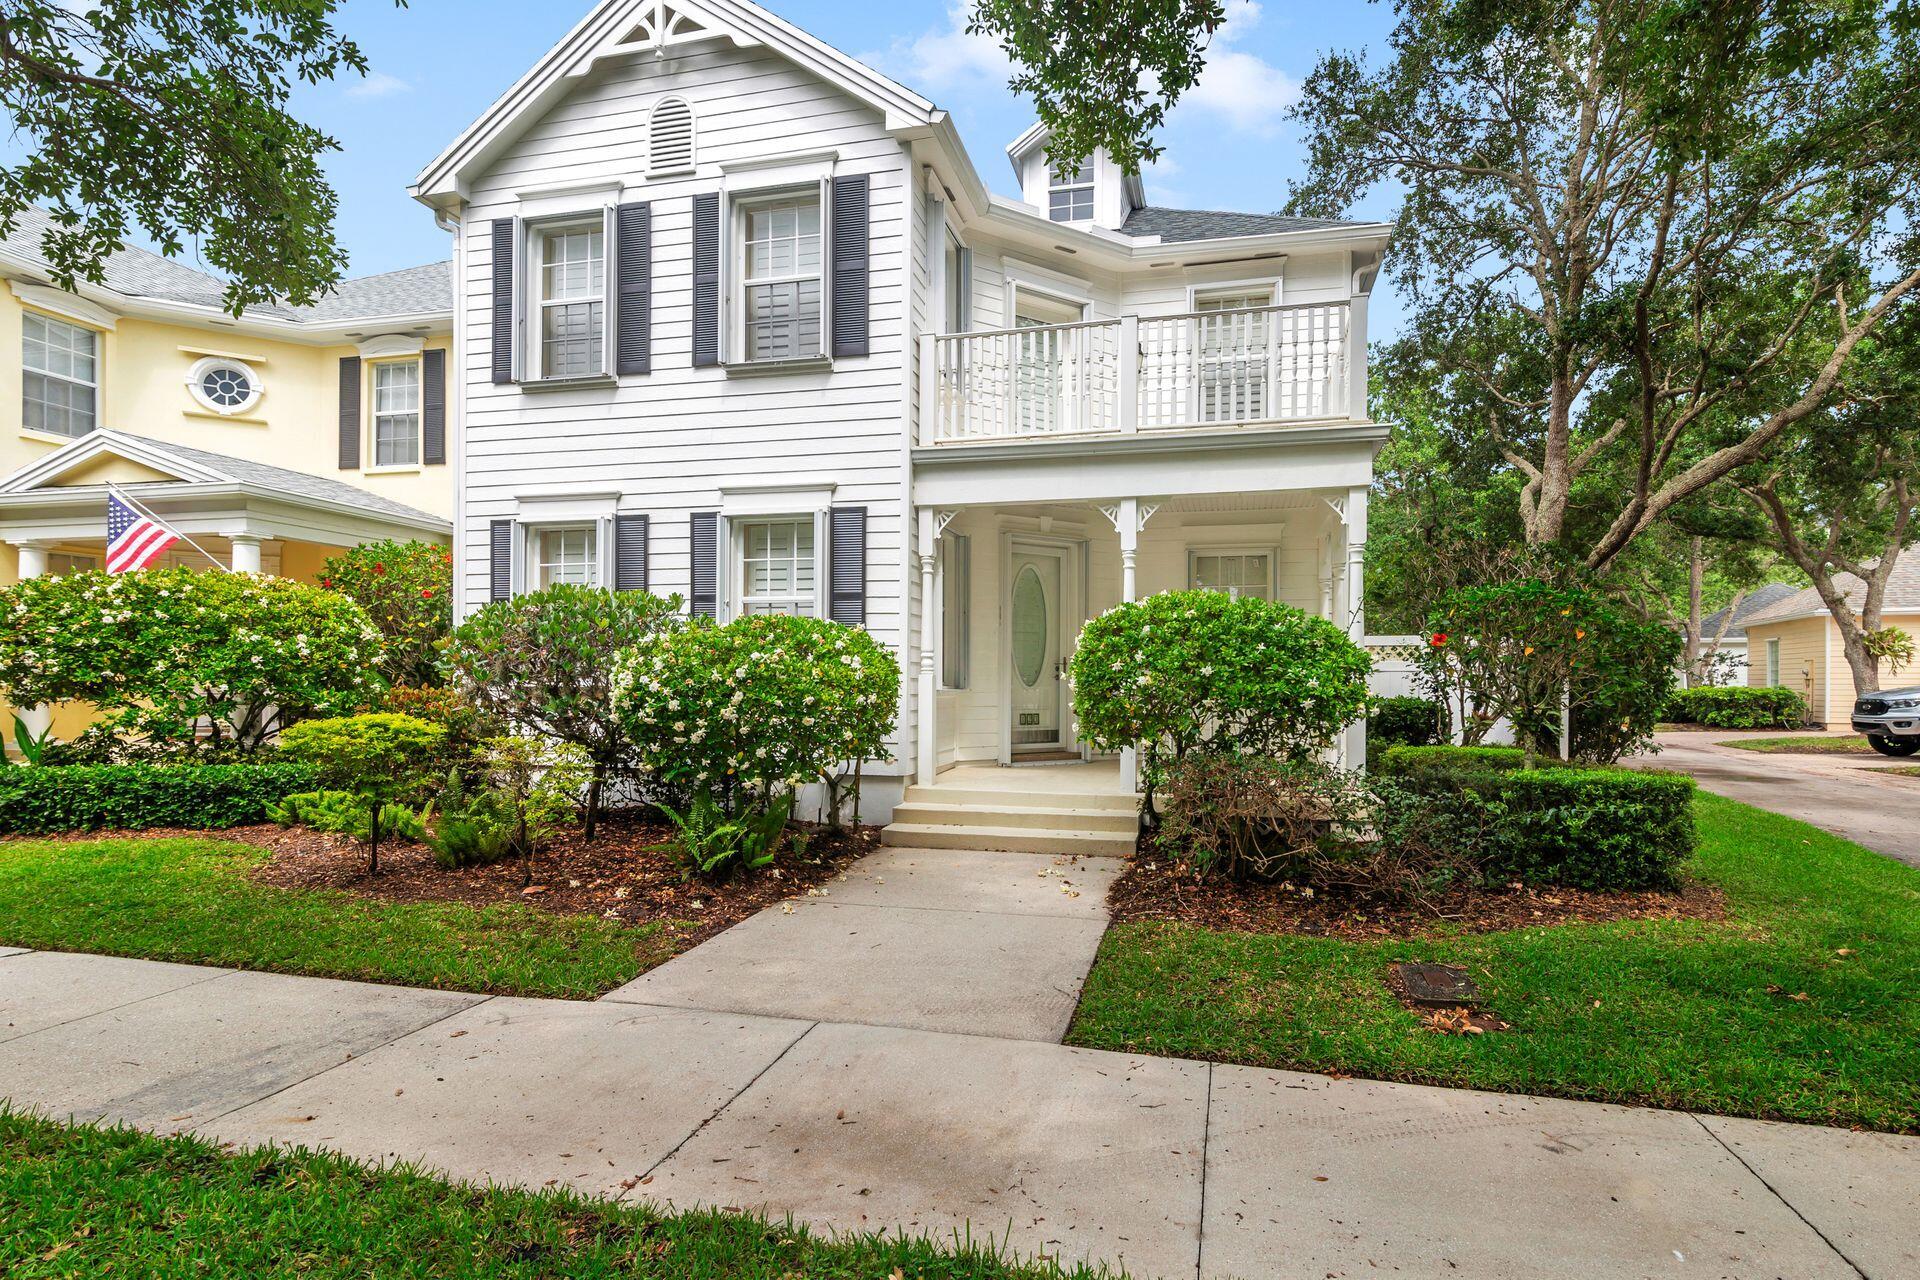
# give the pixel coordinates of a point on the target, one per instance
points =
(171, 116)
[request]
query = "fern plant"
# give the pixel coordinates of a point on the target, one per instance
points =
(715, 846)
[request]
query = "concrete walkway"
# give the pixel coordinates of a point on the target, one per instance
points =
(812, 1061)
(1847, 795)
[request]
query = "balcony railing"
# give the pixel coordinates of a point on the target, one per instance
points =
(1137, 373)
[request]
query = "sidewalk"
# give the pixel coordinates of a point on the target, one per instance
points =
(1173, 1168)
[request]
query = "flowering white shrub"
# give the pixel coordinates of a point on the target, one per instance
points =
(160, 651)
(745, 712)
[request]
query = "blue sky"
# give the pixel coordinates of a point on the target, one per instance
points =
(437, 64)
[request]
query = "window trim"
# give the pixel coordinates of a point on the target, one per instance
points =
(93, 387)
(373, 414)
(733, 272)
(732, 584)
(1272, 553)
(207, 364)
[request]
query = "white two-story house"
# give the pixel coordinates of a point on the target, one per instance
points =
(736, 317)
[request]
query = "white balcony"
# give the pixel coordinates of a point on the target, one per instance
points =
(1139, 373)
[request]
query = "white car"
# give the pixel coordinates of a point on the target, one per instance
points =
(1890, 719)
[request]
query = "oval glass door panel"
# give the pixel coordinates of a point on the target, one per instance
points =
(1030, 631)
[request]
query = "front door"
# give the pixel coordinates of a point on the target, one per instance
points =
(1037, 652)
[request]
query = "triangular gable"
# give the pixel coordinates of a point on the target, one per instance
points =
(108, 457)
(626, 28)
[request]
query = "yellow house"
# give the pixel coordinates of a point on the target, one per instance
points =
(1795, 643)
(273, 440)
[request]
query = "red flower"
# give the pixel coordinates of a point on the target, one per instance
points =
(1439, 639)
(426, 593)
(326, 582)
(379, 569)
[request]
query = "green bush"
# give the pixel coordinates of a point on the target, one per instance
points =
(1737, 707)
(473, 828)
(406, 588)
(1404, 722)
(748, 712)
(379, 757)
(1592, 828)
(343, 812)
(193, 662)
(1186, 671)
(136, 796)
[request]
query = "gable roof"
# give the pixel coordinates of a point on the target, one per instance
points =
(1175, 225)
(202, 466)
(1750, 605)
(1903, 596)
(138, 273)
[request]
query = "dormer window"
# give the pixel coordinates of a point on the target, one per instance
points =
(1070, 198)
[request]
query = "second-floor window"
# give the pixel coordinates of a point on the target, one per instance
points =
(396, 413)
(61, 380)
(573, 309)
(1070, 199)
(781, 277)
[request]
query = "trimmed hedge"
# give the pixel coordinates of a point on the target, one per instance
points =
(38, 799)
(1737, 707)
(1591, 828)
(1404, 722)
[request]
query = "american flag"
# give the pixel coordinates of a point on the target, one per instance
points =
(134, 538)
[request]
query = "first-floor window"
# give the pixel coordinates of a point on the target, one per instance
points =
(565, 554)
(1238, 573)
(396, 413)
(60, 376)
(956, 589)
(62, 563)
(777, 570)
(1773, 662)
(781, 276)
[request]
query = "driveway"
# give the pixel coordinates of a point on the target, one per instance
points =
(1847, 795)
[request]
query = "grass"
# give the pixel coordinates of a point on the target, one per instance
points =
(1818, 744)
(190, 900)
(83, 1202)
(1799, 1006)
(1902, 770)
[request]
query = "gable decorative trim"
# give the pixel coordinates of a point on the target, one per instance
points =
(65, 304)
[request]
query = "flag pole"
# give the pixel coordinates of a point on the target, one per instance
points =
(141, 507)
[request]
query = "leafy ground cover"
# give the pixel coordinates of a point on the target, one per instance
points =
(1902, 770)
(95, 1202)
(193, 899)
(1796, 1004)
(1817, 744)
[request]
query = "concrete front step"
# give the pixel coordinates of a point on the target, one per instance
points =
(1005, 839)
(1107, 800)
(928, 813)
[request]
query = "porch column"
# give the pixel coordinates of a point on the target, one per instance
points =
(1356, 744)
(1127, 525)
(33, 564)
(246, 552)
(929, 699)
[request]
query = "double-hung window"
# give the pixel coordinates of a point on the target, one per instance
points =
(60, 376)
(396, 413)
(778, 571)
(565, 553)
(782, 277)
(1237, 573)
(1070, 198)
(572, 297)
(1773, 662)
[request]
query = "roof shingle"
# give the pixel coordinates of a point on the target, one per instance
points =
(1173, 225)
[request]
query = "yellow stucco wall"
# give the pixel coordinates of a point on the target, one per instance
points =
(143, 390)
(1813, 664)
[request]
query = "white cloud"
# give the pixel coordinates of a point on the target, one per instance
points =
(377, 84)
(947, 59)
(1244, 90)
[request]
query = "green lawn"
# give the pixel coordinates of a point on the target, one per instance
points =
(83, 1202)
(190, 900)
(1707, 1016)
(1817, 744)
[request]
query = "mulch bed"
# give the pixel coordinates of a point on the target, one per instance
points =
(627, 874)
(1153, 889)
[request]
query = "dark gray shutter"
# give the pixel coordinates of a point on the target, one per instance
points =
(703, 552)
(433, 406)
(706, 281)
(850, 265)
(500, 559)
(350, 413)
(847, 565)
(503, 309)
(634, 259)
(629, 553)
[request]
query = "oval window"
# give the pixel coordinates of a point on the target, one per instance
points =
(1029, 627)
(224, 385)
